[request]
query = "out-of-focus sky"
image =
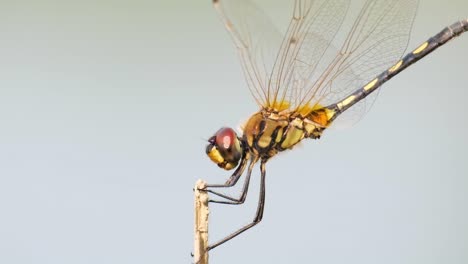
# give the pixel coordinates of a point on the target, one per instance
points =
(105, 107)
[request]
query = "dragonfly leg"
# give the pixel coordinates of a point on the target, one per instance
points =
(243, 195)
(234, 177)
(258, 216)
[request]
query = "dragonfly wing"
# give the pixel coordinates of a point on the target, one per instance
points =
(377, 39)
(303, 71)
(257, 41)
(313, 27)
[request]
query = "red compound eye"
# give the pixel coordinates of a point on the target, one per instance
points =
(225, 137)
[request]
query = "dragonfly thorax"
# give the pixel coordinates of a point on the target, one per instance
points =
(266, 132)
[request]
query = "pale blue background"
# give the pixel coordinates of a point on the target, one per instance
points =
(104, 109)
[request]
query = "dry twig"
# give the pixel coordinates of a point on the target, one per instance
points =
(201, 224)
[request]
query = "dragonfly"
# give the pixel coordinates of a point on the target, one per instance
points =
(303, 84)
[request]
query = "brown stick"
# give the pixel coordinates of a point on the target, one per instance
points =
(202, 211)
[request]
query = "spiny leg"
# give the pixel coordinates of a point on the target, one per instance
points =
(245, 189)
(258, 216)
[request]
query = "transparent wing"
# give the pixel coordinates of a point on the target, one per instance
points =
(302, 71)
(377, 39)
(257, 41)
(313, 27)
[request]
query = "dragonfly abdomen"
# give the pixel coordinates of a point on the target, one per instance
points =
(420, 52)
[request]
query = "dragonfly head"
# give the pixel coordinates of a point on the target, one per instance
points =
(224, 148)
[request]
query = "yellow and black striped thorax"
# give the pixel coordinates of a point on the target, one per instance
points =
(268, 132)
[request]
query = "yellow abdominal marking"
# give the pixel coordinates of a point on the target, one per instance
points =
(370, 85)
(330, 113)
(421, 48)
(346, 101)
(395, 67)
